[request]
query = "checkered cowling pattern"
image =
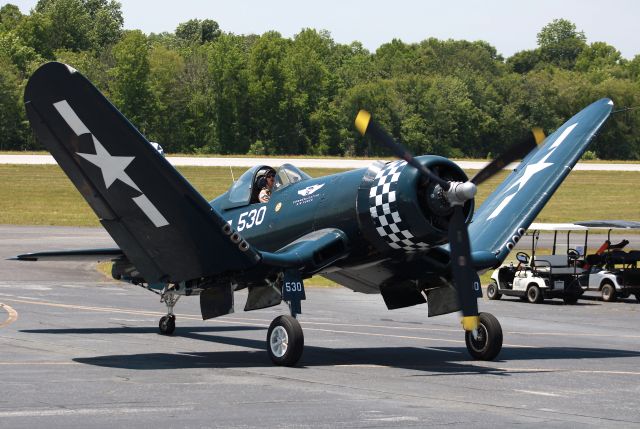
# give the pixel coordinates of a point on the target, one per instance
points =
(384, 210)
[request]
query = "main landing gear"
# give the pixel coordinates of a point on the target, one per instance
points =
(285, 340)
(486, 343)
(167, 324)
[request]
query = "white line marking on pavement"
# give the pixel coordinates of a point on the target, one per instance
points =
(13, 315)
(310, 162)
(533, 392)
(90, 411)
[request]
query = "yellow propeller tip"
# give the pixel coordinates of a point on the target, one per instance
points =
(362, 121)
(469, 323)
(538, 134)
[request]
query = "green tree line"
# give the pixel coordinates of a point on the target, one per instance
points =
(200, 89)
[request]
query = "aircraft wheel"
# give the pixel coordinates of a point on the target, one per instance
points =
(608, 292)
(534, 295)
(167, 324)
(492, 291)
(488, 343)
(285, 341)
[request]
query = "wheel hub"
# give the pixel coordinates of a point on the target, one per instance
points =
(479, 341)
(279, 341)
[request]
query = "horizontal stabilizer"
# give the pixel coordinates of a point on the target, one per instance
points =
(78, 255)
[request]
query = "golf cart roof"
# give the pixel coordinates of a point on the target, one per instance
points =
(585, 225)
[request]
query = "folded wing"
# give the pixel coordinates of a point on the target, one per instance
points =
(506, 214)
(162, 224)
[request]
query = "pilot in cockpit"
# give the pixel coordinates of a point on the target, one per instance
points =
(265, 184)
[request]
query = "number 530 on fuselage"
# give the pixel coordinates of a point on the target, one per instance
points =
(404, 229)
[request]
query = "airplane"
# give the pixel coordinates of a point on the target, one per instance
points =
(404, 229)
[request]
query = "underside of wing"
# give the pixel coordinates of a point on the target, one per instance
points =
(401, 284)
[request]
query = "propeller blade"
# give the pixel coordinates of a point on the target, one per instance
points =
(517, 151)
(538, 133)
(465, 278)
(366, 125)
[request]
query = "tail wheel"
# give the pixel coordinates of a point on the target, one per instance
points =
(608, 292)
(167, 324)
(285, 341)
(534, 294)
(492, 291)
(488, 341)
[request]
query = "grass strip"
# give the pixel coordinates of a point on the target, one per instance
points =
(43, 195)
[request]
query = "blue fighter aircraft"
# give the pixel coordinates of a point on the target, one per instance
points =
(404, 229)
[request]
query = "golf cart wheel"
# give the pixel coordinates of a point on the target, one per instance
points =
(608, 292)
(488, 342)
(534, 294)
(285, 341)
(492, 291)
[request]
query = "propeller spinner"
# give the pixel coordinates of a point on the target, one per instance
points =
(464, 276)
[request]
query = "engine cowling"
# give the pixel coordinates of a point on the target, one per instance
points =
(401, 210)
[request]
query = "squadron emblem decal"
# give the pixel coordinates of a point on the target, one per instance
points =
(112, 167)
(308, 194)
(310, 190)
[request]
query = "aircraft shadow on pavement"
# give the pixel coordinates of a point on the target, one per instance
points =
(550, 302)
(444, 360)
(583, 301)
(138, 330)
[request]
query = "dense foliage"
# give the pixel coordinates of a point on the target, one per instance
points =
(203, 90)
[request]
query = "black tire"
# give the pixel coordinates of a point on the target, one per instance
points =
(492, 291)
(285, 341)
(167, 325)
(534, 294)
(489, 341)
(570, 299)
(608, 292)
(638, 297)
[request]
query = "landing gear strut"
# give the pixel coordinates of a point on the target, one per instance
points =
(167, 324)
(487, 342)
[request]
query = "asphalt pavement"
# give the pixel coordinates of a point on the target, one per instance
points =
(78, 350)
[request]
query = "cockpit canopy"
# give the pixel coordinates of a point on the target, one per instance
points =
(241, 192)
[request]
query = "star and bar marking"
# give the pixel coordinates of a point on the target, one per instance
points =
(112, 167)
(531, 170)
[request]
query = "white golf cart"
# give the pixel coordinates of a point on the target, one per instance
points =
(537, 277)
(567, 273)
(611, 270)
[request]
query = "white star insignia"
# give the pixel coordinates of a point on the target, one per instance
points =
(530, 171)
(112, 167)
